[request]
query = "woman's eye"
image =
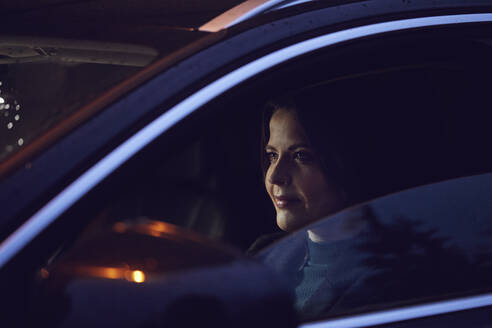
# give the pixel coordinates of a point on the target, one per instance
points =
(271, 156)
(303, 156)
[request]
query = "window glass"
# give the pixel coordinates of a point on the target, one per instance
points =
(325, 147)
(402, 120)
(364, 129)
(201, 176)
(416, 246)
(279, 153)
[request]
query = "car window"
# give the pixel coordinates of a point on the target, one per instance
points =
(399, 119)
(417, 246)
(188, 178)
(411, 121)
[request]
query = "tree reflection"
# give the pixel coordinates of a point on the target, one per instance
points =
(413, 263)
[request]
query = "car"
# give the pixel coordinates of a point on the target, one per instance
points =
(131, 169)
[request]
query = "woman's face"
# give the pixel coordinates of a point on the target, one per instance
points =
(299, 189)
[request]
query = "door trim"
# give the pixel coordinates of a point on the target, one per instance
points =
(405, 313)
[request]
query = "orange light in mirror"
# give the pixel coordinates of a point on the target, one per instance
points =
(111, 273)
(138, 276)
(157, 226)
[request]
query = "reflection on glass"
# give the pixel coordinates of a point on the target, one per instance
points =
(157, 226)
(110, 273)
(420, 245)
(146, 226)
(138, 276)
(124, 272)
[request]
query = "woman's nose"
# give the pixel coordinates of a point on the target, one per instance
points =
(279, 174)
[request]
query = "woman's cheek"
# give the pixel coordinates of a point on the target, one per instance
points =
(316, 192)
(269, 188)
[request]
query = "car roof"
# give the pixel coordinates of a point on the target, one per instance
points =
(170, 13)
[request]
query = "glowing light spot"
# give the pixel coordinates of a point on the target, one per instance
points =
(119, 227)
(7, 106)
(20, 142)
(17, 117)
(111, 273)
(17, 107)
(2, 101)
(154, 233)
(138, 276)
(160, 227)
(44, 273)
(10, 125)
(1, 83)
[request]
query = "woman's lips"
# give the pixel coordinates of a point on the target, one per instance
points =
(285, 201)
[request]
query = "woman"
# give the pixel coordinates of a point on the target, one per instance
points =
(305, 164)
(295, 179)
(308, 176)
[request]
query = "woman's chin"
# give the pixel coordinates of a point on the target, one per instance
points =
(288, 221)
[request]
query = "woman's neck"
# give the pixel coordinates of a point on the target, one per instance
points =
(342, 226)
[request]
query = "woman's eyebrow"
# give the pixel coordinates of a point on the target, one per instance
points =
(299, 145)
(269, 147)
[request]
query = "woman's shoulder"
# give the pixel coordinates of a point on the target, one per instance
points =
(264, 241)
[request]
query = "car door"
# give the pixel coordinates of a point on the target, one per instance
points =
(241, 73)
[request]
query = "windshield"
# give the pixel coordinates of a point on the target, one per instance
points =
(50, 70)
(425, 244)
(37, 91)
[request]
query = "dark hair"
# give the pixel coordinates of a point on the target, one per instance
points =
(322, 124)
